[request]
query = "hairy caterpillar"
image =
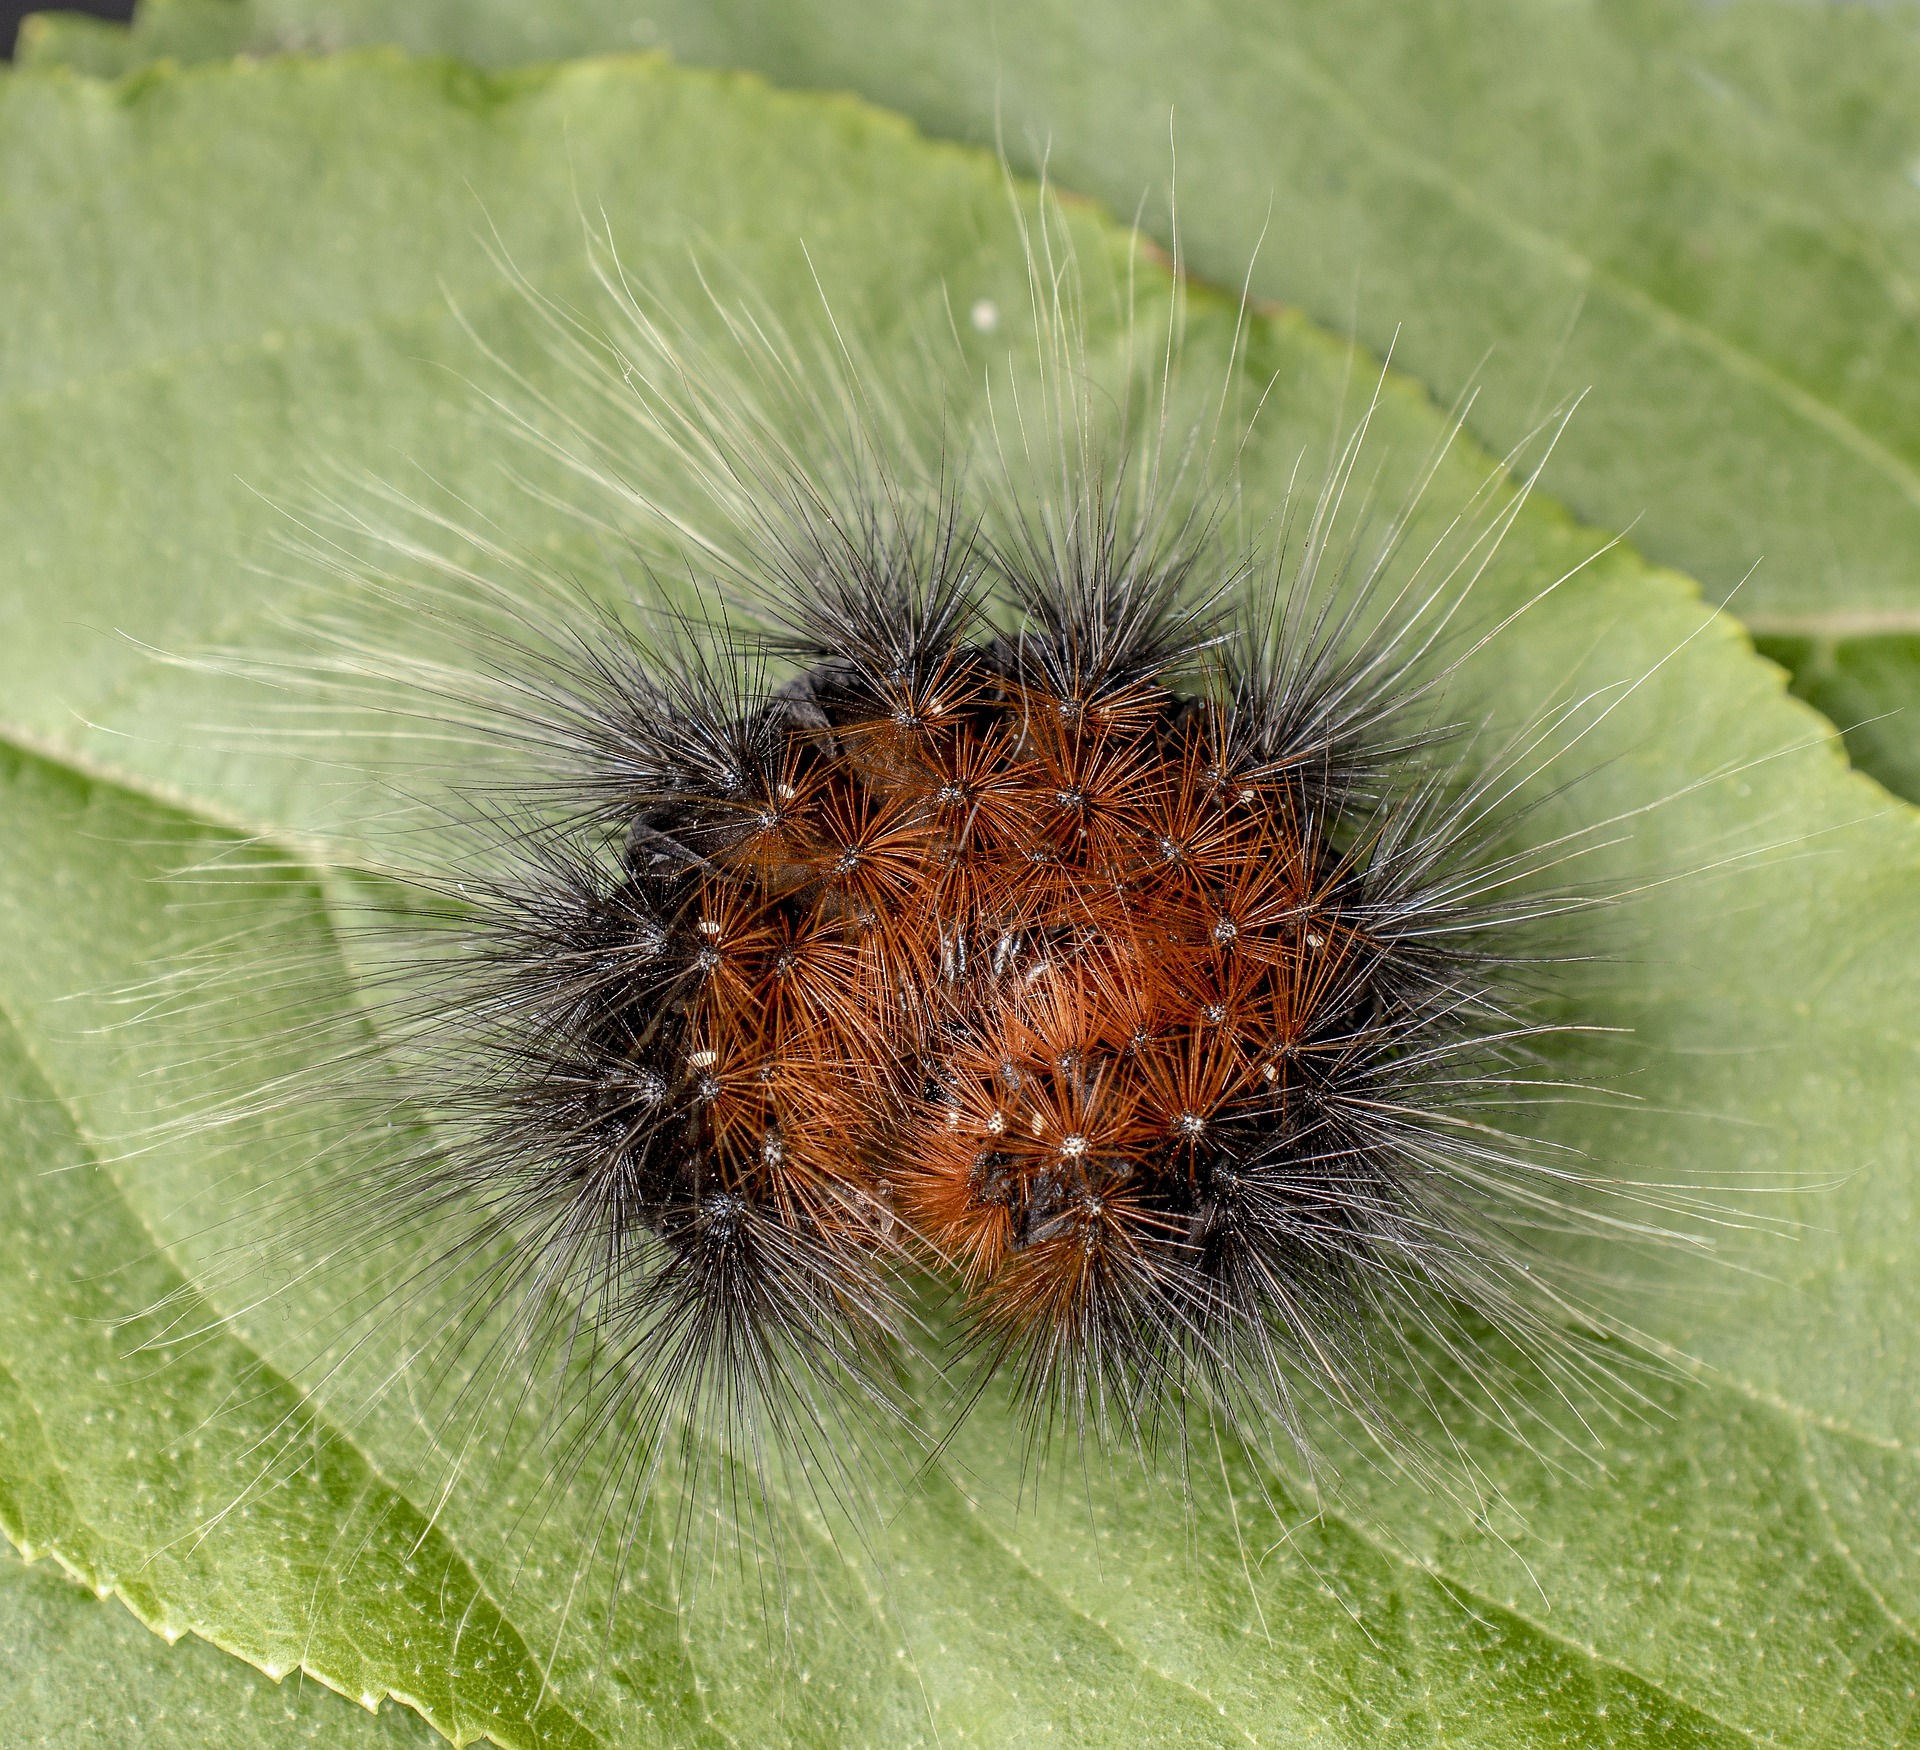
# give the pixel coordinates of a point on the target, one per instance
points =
(1004, 866)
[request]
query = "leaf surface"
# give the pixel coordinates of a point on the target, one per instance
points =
(222, 280)
(82, 1670)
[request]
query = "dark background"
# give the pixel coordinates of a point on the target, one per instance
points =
(12, 11)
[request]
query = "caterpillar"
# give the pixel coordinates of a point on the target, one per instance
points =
(991, 867)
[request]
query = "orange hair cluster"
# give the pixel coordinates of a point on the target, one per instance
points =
(1032, 970)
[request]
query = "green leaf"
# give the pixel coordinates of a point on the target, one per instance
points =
(216, 281)
(84, 1672)
(142, 1473)
(1869, 685)
(1703, 214)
